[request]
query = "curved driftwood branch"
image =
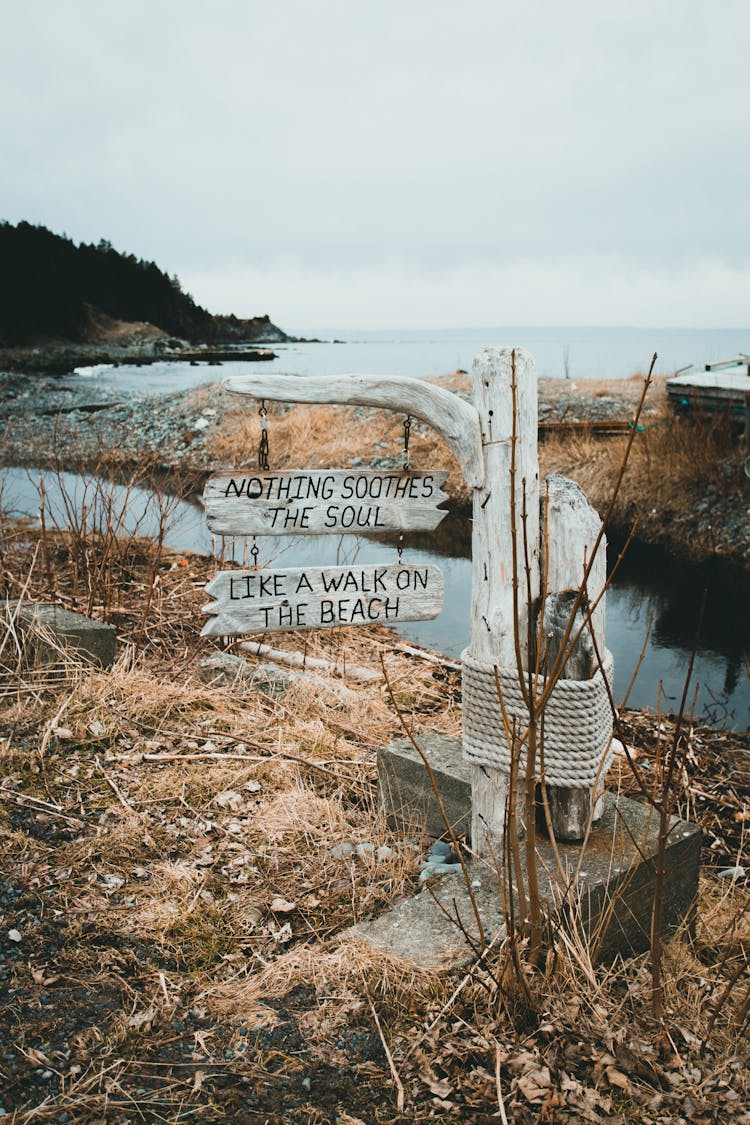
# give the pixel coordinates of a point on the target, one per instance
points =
(455, 420)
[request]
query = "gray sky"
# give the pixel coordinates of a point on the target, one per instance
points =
(396, 163)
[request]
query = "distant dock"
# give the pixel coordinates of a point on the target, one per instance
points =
(721, 386)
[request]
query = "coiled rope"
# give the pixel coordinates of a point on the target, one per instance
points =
(575, 729)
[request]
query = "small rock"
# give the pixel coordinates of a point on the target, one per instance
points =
(383, 853)
(731, 873)
(430, 870)
(14, 935)
(440, 849)
(363, 850)
(342, 851)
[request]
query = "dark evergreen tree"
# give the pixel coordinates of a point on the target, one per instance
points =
(47, 285)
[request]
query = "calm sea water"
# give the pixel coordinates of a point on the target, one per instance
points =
(581, 353)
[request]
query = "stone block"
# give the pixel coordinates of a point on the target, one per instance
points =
(611, 878)
(407, 796)
(93, 640)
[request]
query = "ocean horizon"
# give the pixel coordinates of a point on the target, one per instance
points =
(573, 351)
(559, 352)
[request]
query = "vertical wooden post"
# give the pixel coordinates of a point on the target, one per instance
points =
(572, 526)
(747, 440)
(492, 637)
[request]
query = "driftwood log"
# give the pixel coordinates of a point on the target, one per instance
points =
(570, 527)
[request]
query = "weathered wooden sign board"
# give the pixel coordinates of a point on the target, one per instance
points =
(323, 502)
(258, 601)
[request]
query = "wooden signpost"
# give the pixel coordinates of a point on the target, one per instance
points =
(527, 542)
(328, 502)
(260, 601)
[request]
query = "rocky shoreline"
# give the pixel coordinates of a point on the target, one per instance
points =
(61, 361)
(76, 422)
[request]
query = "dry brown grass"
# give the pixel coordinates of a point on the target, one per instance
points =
(175, 907)
(676, 463)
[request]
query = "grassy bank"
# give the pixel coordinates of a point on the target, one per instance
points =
(175, 907)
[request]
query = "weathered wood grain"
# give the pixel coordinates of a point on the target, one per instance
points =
(261, 601)
(334, 501)
(455, 420)
(492, 612)
(571, 526)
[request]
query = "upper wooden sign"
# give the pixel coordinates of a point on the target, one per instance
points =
(332, 501)
(259, 601)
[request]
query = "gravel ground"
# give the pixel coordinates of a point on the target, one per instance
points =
(72, 420)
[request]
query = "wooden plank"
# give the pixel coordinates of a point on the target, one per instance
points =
(299, 502)
(261, 601)
(455, 420)
(711, 390)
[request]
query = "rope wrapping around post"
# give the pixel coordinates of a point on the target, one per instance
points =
(576, 725)
(571, 529)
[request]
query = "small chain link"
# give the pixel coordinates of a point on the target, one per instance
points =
(400, 550)
(407, 435)
(254, 553)
(263, 444)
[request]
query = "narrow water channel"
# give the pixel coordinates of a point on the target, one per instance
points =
(648, 587)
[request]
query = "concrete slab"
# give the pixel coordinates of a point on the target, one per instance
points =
(406, 794)
(605, 890)
(422, 930)
(92, 639)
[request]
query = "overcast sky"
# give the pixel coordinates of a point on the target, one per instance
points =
(396, 163)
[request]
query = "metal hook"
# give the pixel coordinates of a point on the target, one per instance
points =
(263, 443)
(407, 435)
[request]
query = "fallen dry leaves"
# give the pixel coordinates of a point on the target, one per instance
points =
(166, 861)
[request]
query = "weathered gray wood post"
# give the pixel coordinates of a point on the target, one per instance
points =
(493, 543)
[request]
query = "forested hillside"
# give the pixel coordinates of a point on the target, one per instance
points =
(51, 287)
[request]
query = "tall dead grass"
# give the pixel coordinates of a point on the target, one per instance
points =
(677, 463)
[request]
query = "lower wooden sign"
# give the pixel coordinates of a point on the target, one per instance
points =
(264, 601)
